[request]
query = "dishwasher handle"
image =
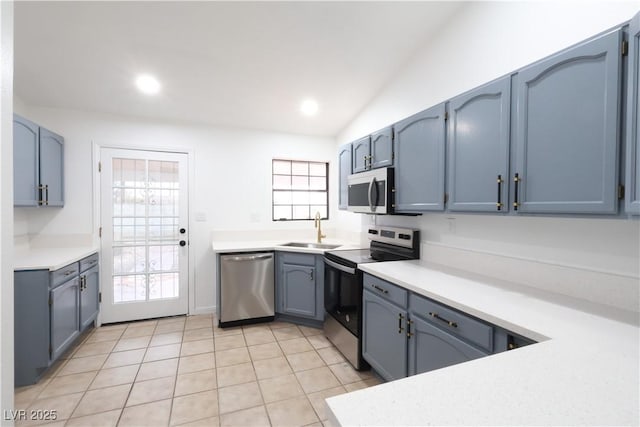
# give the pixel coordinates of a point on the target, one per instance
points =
(249, 258)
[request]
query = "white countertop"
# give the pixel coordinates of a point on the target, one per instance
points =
(271, 245)
(584, 371)
(49, 258)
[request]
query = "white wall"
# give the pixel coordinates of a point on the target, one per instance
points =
(6, 213)
(231, 187)
(597, 259)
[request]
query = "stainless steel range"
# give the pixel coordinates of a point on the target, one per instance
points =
(343, 285)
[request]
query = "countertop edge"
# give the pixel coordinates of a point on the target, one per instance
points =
(577, 352)
(30, 260)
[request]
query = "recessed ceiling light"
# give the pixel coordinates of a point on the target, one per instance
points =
(309, 107)
(147, 84)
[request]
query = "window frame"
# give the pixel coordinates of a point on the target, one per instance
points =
(291, 175)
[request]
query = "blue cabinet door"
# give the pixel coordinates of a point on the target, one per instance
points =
(65, 316)
(361, 154)
(299, 290)
(478, 138)
(632, 179)
(25, 162)
(431, 348)
(382, 148)
(52, 167)
(89, 285)
(384, 341)
(344, 165)
(31, 325)
(567, 130)
(420, 161)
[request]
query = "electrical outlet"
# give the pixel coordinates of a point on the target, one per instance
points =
(451, 222)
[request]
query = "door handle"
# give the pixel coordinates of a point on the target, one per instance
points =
(182, 231)
(516, 180)
(182, 243)
(499, 203)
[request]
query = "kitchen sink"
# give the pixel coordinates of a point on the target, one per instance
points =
(311, 245)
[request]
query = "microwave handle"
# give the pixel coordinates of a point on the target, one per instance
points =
(371, 184)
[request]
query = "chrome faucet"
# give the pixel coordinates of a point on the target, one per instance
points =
(317, 225)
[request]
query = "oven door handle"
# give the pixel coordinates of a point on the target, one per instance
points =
(339, 267)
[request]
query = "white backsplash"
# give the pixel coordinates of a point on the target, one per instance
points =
(592, 259)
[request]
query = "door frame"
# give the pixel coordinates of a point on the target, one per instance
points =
(96, 147)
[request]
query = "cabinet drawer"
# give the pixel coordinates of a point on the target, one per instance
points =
(385, 290)
(60, 276)
(299, 259)
(453, 321)
(88, 262)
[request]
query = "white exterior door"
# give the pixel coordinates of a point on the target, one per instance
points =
(145, 250)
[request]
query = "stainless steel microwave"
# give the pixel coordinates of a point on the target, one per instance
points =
(371, 192)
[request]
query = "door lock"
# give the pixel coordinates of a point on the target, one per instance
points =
(182, 231)
(183, 243)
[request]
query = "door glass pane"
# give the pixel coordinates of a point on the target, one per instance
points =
(164, 285)
(129, 288)
(145, 230)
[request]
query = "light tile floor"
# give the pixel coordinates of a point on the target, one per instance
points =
(187, 371)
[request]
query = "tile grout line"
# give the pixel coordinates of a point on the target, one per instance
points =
(243, 333)
(175, 383)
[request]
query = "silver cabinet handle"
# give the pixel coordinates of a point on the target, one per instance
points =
(442, 319)
(379, 289)
(311, 275)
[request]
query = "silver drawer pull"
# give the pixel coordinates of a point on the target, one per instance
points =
(448, 322)
(378, 288)
(69, 272)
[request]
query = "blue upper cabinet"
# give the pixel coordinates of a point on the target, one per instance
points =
(478, 138)
(52, 167)
(567, 130)
(361, 154)
(420, 161)
(632, 185)
(381, 149)
(38, 165)
(26, 170)
(373, 151)
(344, 165)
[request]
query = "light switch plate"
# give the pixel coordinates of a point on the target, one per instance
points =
(200, 216)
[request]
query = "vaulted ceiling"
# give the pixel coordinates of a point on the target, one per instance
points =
(238, 64)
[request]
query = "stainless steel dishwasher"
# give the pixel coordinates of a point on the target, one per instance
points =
(246, 288)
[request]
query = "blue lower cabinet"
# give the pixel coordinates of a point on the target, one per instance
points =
(298, 290)
(300, 285)
(65, 316)
(51, 309)
(31, 325)
(431, 348)
(89, 298)
(407, 334)
(384, 341)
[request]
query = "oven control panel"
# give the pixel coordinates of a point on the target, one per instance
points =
(395, 236)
